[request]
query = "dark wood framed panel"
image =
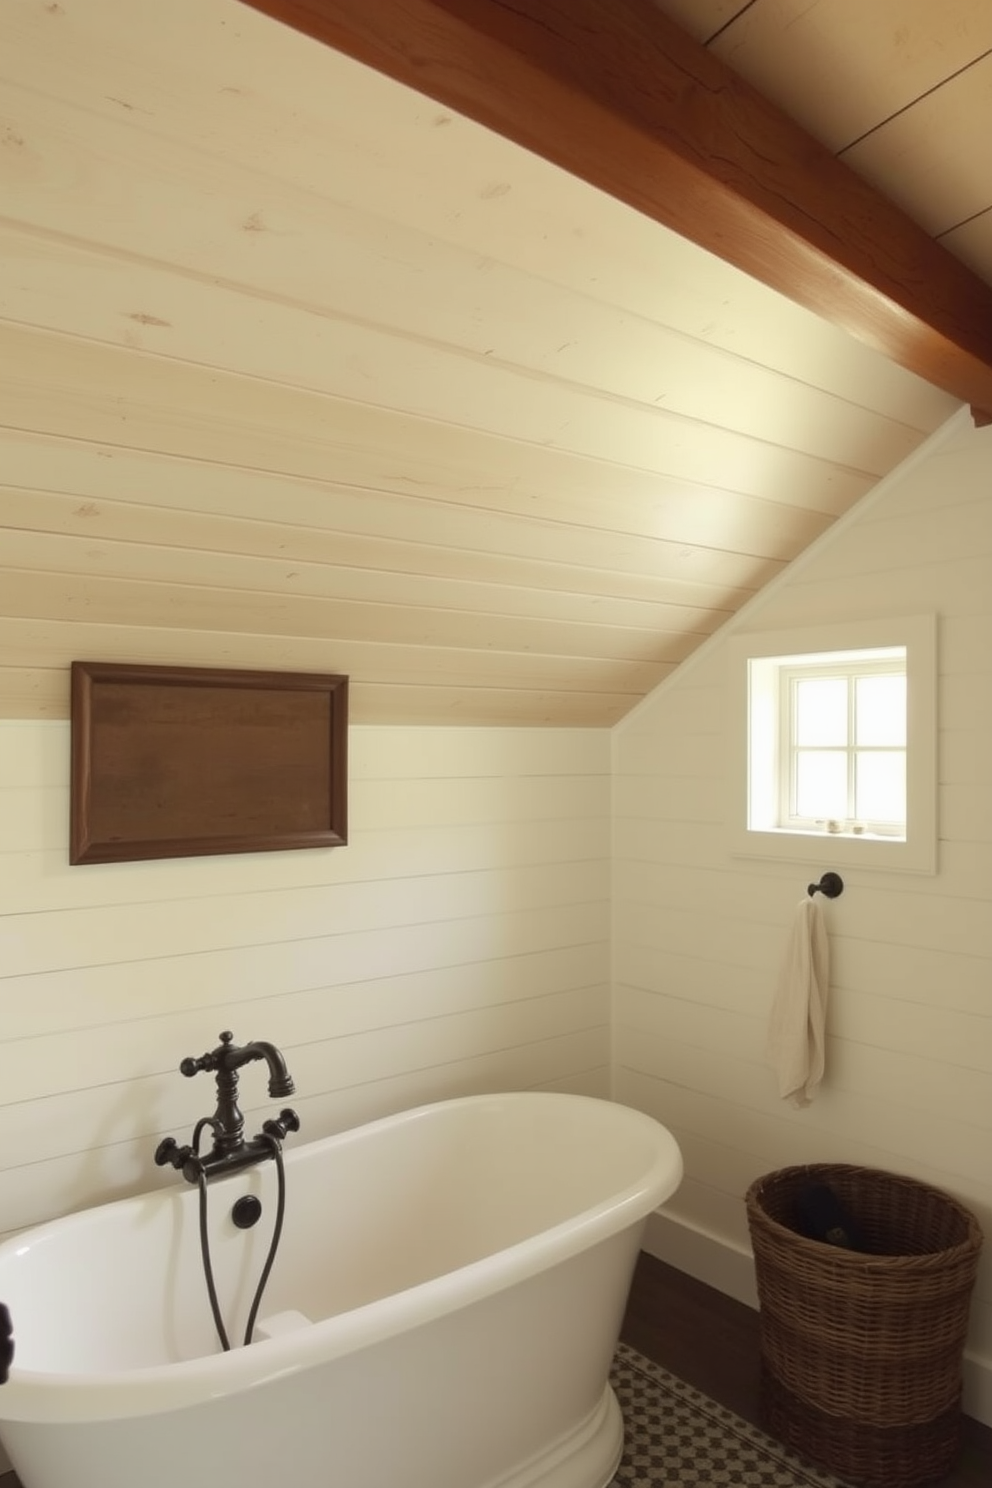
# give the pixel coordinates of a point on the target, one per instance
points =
(175, 762)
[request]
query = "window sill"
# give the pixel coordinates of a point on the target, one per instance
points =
(892, 854)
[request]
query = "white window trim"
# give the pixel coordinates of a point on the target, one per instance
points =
(753, 734)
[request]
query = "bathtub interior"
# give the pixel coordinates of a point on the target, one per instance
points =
(370, 1214)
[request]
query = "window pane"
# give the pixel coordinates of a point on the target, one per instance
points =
(880, 786)
(821, 784)
(880, 710)
(821, 711)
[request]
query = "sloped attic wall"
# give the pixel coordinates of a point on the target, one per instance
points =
(699, 933)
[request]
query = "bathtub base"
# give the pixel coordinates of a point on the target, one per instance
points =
(587, 1458)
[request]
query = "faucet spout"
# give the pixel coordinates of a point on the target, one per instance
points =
(280, 1080)
(229, 1057)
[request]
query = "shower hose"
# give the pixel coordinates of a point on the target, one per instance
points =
(208, 1270)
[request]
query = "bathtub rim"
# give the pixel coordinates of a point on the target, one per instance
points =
(44, 1396)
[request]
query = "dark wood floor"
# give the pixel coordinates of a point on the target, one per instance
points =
(711, 1342)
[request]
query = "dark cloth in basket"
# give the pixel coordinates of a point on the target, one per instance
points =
(822, 1216)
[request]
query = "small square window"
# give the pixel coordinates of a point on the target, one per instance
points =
(842, 749)
(837, 737)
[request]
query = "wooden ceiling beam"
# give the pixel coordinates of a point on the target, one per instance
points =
(613, 92)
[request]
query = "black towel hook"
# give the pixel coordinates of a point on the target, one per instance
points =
(831, 884)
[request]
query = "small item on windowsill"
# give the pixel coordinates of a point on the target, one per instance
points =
(823, 1217)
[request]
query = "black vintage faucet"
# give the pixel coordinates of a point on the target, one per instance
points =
(230, 1151)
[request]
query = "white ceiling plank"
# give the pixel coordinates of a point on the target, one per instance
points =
(118, 540)
(100, 611)
(972, 242)
(454, 358)
(842, 68)
(925, 158)
(442, 525)
(336, 526)
(58, 385)
(298, 509)
(300, 599)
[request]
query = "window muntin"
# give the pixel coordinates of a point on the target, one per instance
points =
(842, 747)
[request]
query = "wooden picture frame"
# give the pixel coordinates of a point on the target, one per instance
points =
(175, 762)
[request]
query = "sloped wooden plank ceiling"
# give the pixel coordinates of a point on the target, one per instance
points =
(299, 368)
(615, 92)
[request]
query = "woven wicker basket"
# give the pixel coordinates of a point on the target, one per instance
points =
(862, 1352)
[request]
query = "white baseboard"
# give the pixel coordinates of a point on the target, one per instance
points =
(730, 1270)
(702, 1255)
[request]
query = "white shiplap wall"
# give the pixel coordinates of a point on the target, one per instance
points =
(458, 943)
(699, 935)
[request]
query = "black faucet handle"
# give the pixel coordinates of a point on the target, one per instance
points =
(190, 1067)
(184, 1159)
(280, 1126)
(208, 1061)
(169, 1151)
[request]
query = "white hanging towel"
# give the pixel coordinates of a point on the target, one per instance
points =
(797, 1024)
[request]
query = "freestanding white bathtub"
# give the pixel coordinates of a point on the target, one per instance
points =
(443, 1312)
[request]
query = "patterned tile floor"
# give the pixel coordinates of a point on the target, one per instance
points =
(679, 1438)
